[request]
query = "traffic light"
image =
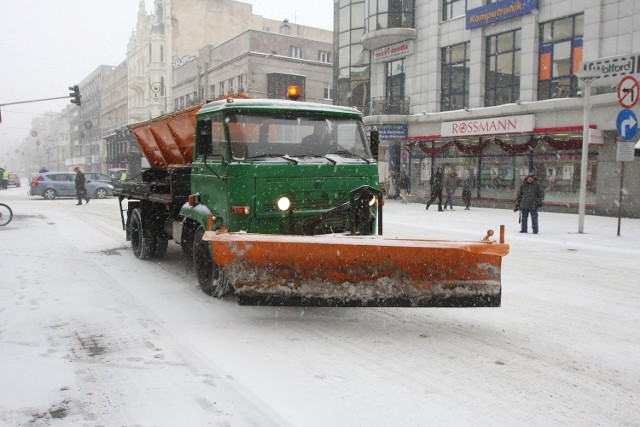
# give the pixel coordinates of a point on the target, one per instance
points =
(75, 94)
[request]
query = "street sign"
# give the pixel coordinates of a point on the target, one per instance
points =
(624, 151)
(627, 124)
(628, 92)
(612, 68)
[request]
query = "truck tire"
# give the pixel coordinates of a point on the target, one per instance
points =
(160, 248)
(210, 278)
(144, 246)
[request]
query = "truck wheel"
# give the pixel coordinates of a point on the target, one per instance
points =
(144, 247)
(210, 279)
(160, 248)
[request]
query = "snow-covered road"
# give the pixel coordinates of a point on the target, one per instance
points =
(89, 335)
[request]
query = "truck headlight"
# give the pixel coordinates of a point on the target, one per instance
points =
(372, 201)
(284, 203)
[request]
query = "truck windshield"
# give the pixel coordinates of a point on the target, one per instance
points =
(261, 136)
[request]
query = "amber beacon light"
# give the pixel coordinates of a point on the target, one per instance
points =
(293, 92)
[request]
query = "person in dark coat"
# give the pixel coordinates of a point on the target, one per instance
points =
(81, 190)
(466, 189)
(436, 189)
(529, 199)
(450, 186)
(404, 187)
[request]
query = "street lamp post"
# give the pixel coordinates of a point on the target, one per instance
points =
(586, 77)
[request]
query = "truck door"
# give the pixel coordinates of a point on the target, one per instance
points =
(209, 167)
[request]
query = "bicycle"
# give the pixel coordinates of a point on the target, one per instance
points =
(6, 214)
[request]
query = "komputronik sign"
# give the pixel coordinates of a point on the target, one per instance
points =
(499, 11)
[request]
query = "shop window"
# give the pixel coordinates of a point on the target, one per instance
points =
(502, 73)
(560, 57)
(498, 166)
(455, 77)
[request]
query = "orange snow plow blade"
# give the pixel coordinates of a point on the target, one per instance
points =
(359, 270)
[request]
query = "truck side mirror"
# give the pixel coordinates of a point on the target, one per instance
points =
(204, 141)
(374, 143)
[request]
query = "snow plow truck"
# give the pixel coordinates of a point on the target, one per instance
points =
(278, 202)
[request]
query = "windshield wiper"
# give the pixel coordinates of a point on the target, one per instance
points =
(272, 155)
(319, 156)
(347, 153)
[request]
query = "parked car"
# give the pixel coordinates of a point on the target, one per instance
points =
(96, 176)
(62, 184)
(14, 180)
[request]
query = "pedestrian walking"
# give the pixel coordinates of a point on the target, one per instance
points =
(529, 199)
(466, 189)
(450, 187)
(404, 187)
(436, 189)
(81, 190)
(392, 187)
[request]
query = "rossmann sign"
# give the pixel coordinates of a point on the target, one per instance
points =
(489, 126)
(499, 11)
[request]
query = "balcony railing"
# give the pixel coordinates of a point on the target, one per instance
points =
(390, 106)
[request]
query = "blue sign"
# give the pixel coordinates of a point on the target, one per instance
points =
(627, 124)
(392, 131)
(499, 11)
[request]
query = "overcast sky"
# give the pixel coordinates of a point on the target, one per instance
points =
(47, 46)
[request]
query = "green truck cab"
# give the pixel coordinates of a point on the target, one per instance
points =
(266, 166)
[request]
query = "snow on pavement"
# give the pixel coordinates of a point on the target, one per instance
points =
(91, 336)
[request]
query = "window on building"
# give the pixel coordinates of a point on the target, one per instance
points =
(502, 74)
(221, 88)
(384, 14)
(296, 52)
(242, 83)
(324, 57)
(327, 92)
(352, 70)
(560, 57)
(453, 9)
(394, 87)
(231, 85)
(188, 100)
(455, 77)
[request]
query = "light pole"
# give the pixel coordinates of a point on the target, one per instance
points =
(586, 77)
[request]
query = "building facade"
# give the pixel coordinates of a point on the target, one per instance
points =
(491, 90)
(259, 64)
(87, 147)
